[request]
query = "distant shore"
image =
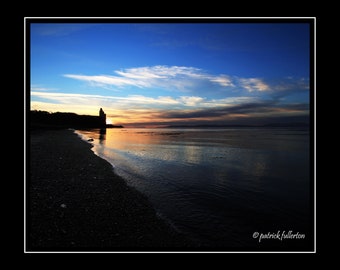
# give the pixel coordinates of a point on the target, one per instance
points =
(76, 202)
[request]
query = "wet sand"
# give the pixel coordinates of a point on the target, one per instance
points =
(76, 202)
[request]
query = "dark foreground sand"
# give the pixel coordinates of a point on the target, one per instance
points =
(76, 202)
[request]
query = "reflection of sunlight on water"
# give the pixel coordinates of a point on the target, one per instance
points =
(192, 154)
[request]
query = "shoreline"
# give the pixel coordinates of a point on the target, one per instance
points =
(75, 202)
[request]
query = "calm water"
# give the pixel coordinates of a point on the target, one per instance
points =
(218, 186)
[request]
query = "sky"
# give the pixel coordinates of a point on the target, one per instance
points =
(158, 74)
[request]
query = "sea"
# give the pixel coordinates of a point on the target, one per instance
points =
(224, 188)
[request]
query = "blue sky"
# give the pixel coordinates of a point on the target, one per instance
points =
(153, 74)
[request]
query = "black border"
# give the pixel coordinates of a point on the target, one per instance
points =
(309, 20)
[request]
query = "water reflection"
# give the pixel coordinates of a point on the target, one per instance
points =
(102, 135)
(233, 178)
(192, 154)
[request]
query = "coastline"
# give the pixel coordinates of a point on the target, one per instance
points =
(75, 202)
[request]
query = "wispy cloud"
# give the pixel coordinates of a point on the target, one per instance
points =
(138, 108)
(251, 109)
(292, 83)
(109, 80)
(222, 80)
(36, 87)
(140, 101)
(254, 84)
(178, 78)
(191, 101)
(170, 78)
(132, 100)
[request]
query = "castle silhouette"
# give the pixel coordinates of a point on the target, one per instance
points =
(102, 117)
(69, 120)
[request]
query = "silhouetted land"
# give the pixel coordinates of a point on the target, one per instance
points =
(76, 202)
(43, 119)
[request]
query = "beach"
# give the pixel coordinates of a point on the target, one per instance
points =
(75, 202)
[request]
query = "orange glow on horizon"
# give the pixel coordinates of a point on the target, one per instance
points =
(149, 118)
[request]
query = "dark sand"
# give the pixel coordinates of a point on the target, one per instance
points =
(76, 202)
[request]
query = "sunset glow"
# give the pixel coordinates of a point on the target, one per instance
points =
(160, 74)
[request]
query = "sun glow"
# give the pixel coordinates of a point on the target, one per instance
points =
(108, 121)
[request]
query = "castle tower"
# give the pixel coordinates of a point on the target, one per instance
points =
(102, 117)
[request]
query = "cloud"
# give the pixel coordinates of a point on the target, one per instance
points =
(108, 80)
(254, 84)
(191, 101)
(292, 84)
(220, 111)
(171, 78)
(223, 80)
(202, 106)
(165, 109)
(140, 101)
(264, 109)
(36, 87)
